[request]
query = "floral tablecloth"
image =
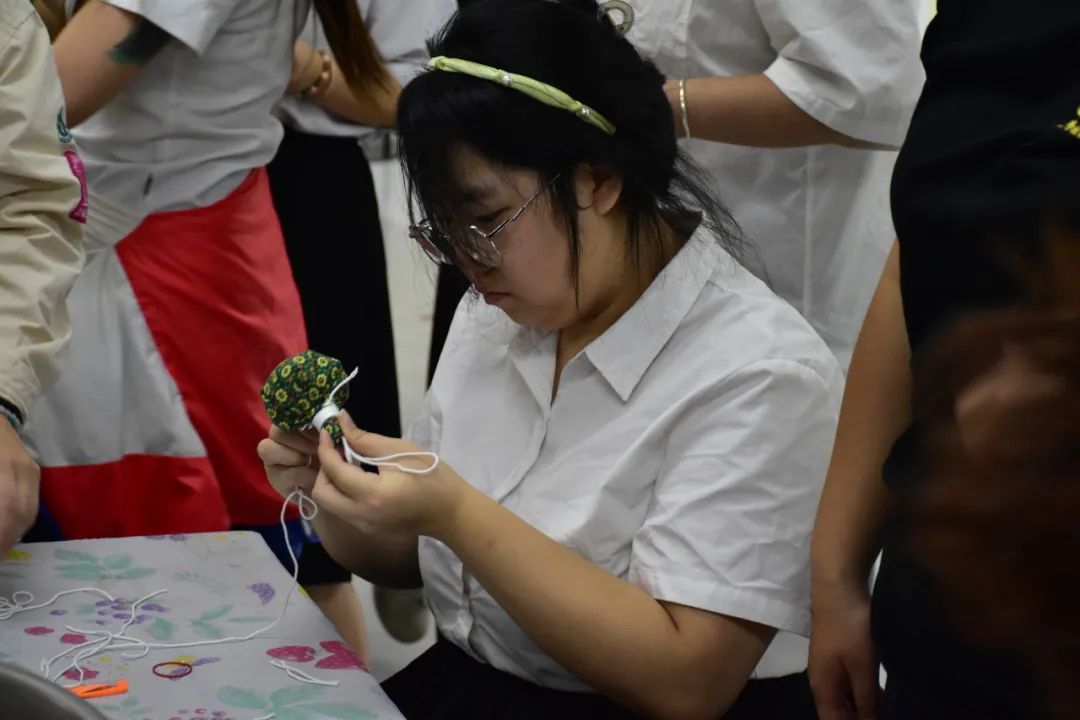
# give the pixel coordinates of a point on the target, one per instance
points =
(219, 586)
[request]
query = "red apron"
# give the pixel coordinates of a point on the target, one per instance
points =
(215, 308)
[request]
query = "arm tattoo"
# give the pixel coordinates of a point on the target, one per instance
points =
(140, 45)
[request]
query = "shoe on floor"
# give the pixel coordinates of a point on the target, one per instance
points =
(403, 613)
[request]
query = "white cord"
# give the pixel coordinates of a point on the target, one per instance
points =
(301, 676)
(105, 643)
(388, 460)
(330, 410)
(14, 606)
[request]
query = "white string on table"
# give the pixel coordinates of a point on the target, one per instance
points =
(301, 676)
(85, 651)
(14, 606)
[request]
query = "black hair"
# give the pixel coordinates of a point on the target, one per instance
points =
(351, 44)
(564, 43)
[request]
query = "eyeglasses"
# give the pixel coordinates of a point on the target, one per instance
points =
(478, 245)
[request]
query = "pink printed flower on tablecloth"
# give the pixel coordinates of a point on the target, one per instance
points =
(39, 630)
(292, 653)
(341, 657)
(73, 674)
(73, 639)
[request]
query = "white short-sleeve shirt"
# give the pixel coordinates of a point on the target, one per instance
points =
(199, 117)
(818, 216)
(685, 451)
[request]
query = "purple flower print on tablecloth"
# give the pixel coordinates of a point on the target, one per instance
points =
(265, 591)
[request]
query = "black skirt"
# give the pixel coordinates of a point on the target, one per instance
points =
(325, 198)
(446, 684)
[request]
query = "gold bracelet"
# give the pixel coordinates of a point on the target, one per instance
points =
(322, 82)
(682, 109)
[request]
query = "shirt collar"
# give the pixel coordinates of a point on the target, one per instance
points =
(628, 348)
(625, 351)
(532, 352)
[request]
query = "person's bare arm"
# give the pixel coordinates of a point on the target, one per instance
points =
(855, 505)
(374, 105)
(749, 110)
(100, 52)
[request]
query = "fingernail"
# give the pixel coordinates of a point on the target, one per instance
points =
(346, 421)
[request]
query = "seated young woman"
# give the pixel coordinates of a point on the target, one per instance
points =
(633, 429)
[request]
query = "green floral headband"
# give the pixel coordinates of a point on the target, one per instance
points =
(533, 88)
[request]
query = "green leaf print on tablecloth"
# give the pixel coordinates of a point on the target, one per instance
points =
(292, 703)
(130, 707)
(91, 568)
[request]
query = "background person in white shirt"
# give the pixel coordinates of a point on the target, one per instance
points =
(187, 300)
(785, 101)
(794, 108)
(634, 430)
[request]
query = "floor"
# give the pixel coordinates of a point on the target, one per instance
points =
(412, 293)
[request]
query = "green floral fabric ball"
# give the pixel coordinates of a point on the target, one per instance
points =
(299, 387)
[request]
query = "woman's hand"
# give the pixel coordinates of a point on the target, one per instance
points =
(20, 480)
(307, 66)
(390, 501)
(290, 460)
(843, 668)
(383, 558)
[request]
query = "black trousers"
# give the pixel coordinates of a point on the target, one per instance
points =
(325, 198)
(904, 703)
(446, 684)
